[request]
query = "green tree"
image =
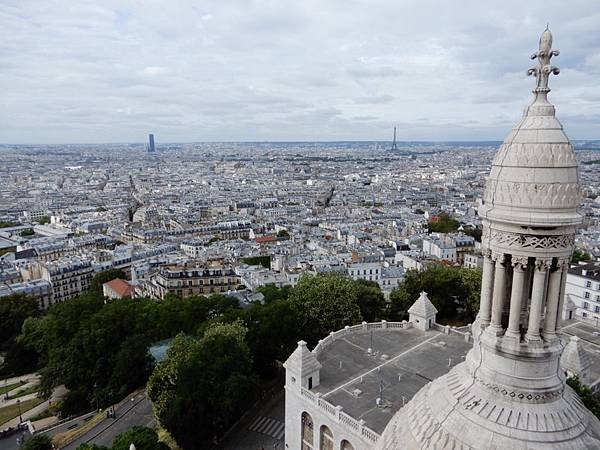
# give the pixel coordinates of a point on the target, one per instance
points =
(273, 332)
(264, 261)
(99, 351)
(27, 232)
(324, 303)
(400, 301)
(453, 291)
(579, 256)
(474, 232)
(471, 283)
(5, 224)
(104, 277)
(91, 447)
(590, 399)
(37, 442)
(443, 224)
(19, 360)
(273, 293)
(143, 438)
(14, 309)
(204, 384)
(44, 220)
(283, 234)
(370, 300)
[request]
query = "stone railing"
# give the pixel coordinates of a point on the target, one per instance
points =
(464, 332)
(335, 412)
(383, 325)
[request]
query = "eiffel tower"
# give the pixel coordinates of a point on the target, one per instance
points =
(394, 146)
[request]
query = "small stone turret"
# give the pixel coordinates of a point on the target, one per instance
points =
(302, 368)
(422, 313)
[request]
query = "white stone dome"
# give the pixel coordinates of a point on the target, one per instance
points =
(533, 180)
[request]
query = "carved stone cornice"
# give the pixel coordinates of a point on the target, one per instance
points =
(519, 241)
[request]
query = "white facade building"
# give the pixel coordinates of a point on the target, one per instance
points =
(583, 294)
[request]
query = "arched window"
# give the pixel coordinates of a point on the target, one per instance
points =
(307, 432)
(345, 445)
(326, 438)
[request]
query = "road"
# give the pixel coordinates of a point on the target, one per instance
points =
(137, 411)
(263, 427)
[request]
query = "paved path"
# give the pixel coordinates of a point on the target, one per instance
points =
(13, 400)
(128, 414)
(26, 415)
(28, 377)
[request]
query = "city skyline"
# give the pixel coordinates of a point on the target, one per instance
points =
(270, 72)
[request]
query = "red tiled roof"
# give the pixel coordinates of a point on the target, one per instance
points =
(265, 239)
(121, 287)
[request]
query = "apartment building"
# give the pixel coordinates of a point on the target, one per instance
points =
(191, 279)
(582, 293)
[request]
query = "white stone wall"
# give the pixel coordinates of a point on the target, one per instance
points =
(296, 404)
(586, 298)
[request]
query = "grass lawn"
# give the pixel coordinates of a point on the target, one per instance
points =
(10, 412)
(9, 387)
(27, 390)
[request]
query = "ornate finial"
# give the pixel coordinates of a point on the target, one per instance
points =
(544, 68)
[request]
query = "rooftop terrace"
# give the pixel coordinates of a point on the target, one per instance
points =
(402, 361)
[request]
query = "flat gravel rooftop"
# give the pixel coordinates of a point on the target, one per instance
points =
(403, 361)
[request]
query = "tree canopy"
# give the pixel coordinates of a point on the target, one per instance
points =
(453, 291)
(264, 261)
(370, 300)
(443, 223)
(324, 303)
(204, 385)
(14, 309)
(590, 399)
(37, 442)
(143, 438)
(579, 256)
(99, 351)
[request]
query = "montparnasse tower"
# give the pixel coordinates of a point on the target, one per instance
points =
(510, 392)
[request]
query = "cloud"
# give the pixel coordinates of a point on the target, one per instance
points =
(374, 72)
(377, 99)
(109, 71)
(152, 71)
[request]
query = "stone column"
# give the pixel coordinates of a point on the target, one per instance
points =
(553, 297)
(525, 299)
(487, 284)
(564, 265)
(516, 297)
(537, 300)
(498, 295)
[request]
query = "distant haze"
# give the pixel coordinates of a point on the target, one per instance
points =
(243, 70)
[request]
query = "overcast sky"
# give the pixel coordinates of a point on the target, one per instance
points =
(113, 71)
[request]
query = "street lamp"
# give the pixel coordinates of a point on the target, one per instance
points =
(19, 405)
